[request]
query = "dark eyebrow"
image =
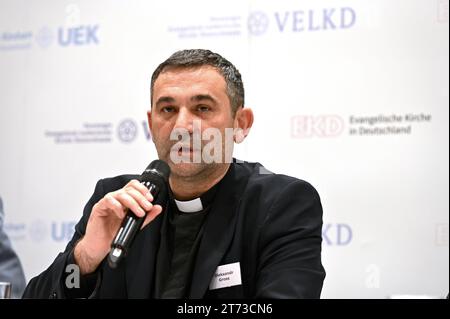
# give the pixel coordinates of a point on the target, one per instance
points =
(165, 99)
(202, 97)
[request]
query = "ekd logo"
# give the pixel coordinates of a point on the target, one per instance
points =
(81, 35)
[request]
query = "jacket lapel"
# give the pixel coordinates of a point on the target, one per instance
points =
(219, 231)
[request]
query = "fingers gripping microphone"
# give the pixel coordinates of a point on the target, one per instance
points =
(155, 178)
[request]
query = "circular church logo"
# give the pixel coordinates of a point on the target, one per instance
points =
(258, 23)
(127, 130)
(38, 230)
(44, 37)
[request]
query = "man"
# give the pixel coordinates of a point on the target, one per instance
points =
(229, 229)
(10, 267)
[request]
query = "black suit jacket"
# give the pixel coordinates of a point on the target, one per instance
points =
(269, 223)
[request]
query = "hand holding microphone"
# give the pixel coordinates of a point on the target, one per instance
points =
(118, 216)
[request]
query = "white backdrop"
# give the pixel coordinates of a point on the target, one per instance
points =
(352, 96)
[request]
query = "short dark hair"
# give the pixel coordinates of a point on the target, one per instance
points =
(200, 57)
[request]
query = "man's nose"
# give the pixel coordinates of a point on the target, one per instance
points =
(184, 120)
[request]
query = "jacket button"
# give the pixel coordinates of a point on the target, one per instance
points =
(54, 295)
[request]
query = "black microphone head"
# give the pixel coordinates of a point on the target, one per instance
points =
(158, 167)
(155, 178)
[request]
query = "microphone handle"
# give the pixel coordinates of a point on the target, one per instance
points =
(131, 224)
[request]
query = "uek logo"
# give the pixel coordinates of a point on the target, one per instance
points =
(306, 126)
(337, 234)
(40, 230)
(301, 20)
(81, 35)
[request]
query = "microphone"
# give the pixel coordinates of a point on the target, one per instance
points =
(155, 178)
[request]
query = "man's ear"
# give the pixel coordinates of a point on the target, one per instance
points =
(149, 119)
(243, 122)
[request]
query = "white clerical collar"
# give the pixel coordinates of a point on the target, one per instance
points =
(189, 206)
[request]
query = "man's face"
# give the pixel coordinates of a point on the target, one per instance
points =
(182, 99)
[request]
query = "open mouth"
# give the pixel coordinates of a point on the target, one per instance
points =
(185, 153)
(185, 150)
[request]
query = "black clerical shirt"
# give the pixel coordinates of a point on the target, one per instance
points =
(178, 249)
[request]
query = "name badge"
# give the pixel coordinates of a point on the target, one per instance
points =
(226, 276)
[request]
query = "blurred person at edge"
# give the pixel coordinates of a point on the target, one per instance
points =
(10, 268)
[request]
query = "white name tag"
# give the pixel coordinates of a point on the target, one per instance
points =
(226, 276)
